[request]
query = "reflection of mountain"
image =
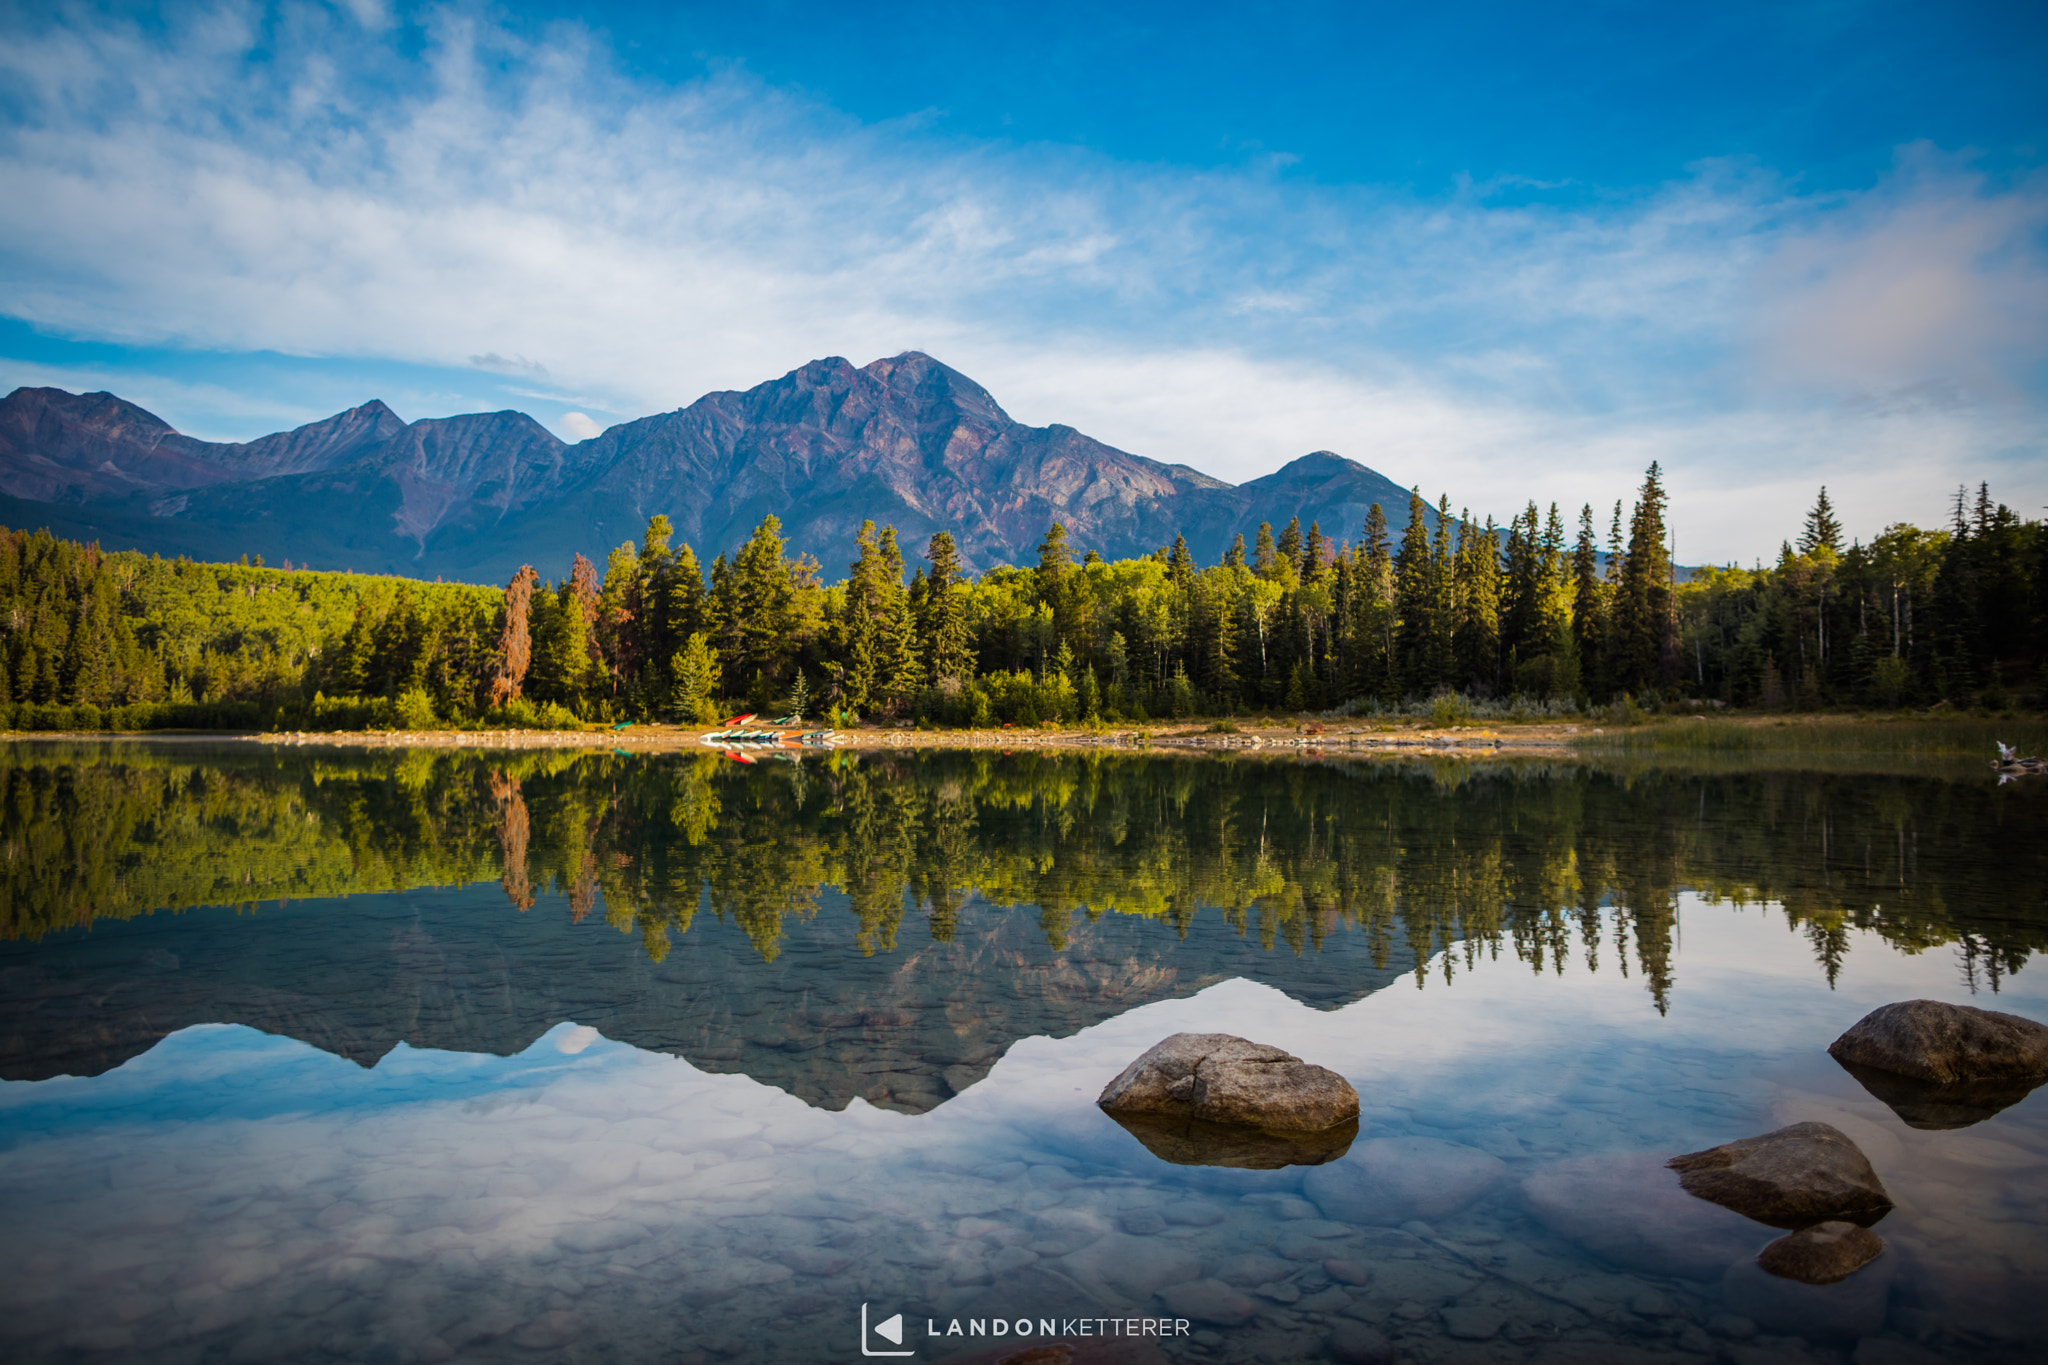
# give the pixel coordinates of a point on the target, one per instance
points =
(457, 970)
(826, 926)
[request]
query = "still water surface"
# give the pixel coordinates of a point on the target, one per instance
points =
(318, 1055)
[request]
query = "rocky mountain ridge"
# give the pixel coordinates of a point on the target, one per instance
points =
(905, 441)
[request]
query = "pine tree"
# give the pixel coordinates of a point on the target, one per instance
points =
(1233, 558)
(901, 650)
(696, 678)
(1646, 624)
(1266, 557)
(948, 636)
(1823, 531)
(1589, 604)
(1478, 627)
(1055, 563)
(1289, 548)
(1414, 599)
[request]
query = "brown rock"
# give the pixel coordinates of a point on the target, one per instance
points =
(1821, 1254)
(1944, 1044)
(1793, 1177)
(1218, 1078)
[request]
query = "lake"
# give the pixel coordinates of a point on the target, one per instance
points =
(389, 1056)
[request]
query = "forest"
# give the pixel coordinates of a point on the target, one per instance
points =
(1451, 616)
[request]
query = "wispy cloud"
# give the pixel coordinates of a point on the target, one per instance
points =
(299, 180)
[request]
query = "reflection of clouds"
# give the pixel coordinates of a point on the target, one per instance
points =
(587, 1162)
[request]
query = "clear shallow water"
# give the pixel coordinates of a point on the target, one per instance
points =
(496, 1120)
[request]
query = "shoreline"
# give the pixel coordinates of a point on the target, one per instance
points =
(1476, 741)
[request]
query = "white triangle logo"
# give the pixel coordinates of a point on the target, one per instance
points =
(891, 1328)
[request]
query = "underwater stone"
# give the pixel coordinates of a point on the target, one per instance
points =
(1941, 1043)
(1209, 1301)
(1822, 1254)
(1845, 1311)
(1354, 1343)
(1793, 1177)
(1219, 1078)
(1390, 1181)
(1624, 1208)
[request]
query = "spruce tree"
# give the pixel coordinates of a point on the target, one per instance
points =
(1233, 558)
(948, 636)
(1823, 531)
(1266, 555)
(1414, 599)
(1646, 624)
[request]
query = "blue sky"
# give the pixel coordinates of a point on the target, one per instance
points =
(1507, 251)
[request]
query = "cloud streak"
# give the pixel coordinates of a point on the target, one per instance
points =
(300, 180)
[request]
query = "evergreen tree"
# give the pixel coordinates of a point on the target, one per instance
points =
(1823, 531)
(1233, 558)
(1646, 624)
(948, 636)
(1266, 557)
(1055, 564)
(696, 673)
(1589, 603)
(1415, 600)
(901, 650)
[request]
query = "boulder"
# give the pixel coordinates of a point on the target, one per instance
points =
(1193, 1142)
(1624, 1208)
(1793, 1177)
(1390, 1181)
(1944, 1044)
(1929, 1106)
(1821, 1254)
(1218, 1078)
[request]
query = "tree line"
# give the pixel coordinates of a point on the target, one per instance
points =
(1531, 613)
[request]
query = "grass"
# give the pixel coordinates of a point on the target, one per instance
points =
(1918, 734)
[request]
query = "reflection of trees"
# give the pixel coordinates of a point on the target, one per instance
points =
(1427, 864)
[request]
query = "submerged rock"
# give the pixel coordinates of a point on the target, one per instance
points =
(1943, 1044)
(1794, 1177)
(1218, 1078)
(1390, 1181)
(1624, 1208)
(1192, 1142)
(1821, 1254)
(1931, 1107)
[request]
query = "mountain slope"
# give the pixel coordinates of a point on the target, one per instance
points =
(904, 441)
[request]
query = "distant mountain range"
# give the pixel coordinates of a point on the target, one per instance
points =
(905, 441)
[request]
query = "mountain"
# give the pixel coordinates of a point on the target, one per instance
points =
(904, 441)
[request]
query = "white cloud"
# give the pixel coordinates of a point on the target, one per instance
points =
(580, 426)
(638, 246)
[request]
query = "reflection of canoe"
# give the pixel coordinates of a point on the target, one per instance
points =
(767, 739)
(739, 758)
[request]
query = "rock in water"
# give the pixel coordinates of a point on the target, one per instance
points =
(1944, 1066)
(1821, 1254)
(1217, 1078)
(1390, 1181)
(1792, 1178)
